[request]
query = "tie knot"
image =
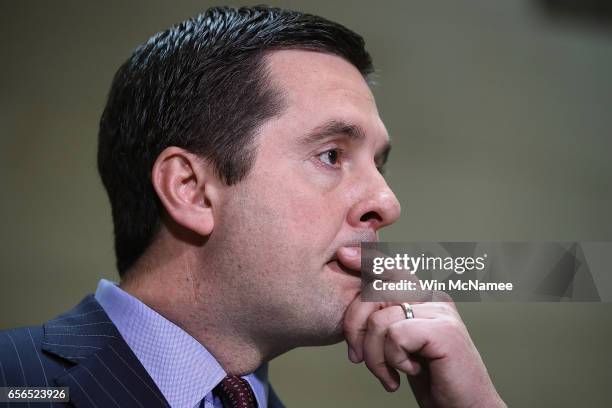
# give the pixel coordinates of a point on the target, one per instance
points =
(236, 392)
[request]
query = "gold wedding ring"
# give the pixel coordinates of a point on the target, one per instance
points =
(408, 310)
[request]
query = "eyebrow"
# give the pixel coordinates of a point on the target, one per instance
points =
(333, 128)
(336, 127)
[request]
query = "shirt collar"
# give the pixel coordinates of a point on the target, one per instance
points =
(183, 370)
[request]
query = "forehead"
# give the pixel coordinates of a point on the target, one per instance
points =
(303, 71)
(319, 87)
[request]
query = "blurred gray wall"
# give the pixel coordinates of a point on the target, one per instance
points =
(501, 121)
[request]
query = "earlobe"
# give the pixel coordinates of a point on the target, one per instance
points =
(186, 187)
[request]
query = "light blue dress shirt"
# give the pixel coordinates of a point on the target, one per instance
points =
(183, 370)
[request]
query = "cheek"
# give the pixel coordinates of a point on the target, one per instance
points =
(314, 213)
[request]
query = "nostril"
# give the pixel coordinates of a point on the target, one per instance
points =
(370, 215)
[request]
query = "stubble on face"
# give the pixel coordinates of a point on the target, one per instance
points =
(279, 226)
(278, 270)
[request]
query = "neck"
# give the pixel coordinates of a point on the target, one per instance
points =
(194, 301)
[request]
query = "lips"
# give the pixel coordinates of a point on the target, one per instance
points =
(345, 263)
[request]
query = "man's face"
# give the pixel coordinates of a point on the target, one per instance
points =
(315, 186)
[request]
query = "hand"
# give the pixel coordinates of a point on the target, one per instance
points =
(434, 349)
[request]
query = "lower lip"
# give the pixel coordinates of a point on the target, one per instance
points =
(335, 266)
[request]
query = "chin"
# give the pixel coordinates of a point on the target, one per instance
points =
(336, 338)
(329, 329)
(346, 282)
(324, 339)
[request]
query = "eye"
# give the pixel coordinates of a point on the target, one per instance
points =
(330, 157)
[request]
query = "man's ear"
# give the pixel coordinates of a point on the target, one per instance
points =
(187, 188)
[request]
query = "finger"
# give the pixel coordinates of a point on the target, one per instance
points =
(355, 325)
(397, 358)
(356, 315)
(434, 310)
(403, 342)
(374, 342)
(416, 338)
(443, 297)
(388, 275)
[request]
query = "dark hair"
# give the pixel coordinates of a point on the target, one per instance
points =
(201, 85)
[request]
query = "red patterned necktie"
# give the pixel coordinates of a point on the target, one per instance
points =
(235, 392)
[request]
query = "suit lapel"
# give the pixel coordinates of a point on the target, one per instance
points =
(106, 371)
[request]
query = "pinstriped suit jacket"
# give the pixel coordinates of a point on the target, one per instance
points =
(81, 349)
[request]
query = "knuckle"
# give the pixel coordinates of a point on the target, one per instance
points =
(394, 360)
(443, 297)
(446, 308)
(451, 324)
(395, 334)
(376, 322)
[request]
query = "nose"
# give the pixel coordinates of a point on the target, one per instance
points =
(377, 208)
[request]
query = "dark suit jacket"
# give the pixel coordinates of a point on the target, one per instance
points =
(81, 349)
